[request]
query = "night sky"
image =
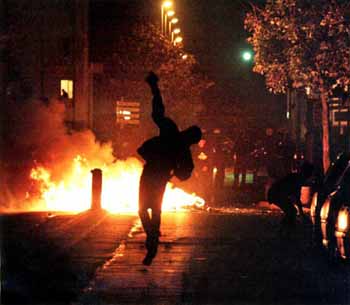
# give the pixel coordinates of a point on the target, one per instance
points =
(214, 32)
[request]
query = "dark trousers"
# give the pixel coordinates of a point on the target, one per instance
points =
(286, 204)
(289, 210)
(150, 197)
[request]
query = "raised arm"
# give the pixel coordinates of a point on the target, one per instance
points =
(158, 110)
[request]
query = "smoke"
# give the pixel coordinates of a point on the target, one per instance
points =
(45, 166)
(34, 134)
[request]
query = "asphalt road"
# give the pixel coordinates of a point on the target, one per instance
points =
(237, 256)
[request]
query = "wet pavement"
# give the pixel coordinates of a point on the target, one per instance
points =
(228, 256)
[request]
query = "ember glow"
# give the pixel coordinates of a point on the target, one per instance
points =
(120, 184)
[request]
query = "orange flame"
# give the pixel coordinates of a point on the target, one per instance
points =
(119, 191)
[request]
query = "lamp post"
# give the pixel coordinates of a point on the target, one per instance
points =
(173, 33)
(166, 5)
(168, 14)
(171, 22)
(177, 40)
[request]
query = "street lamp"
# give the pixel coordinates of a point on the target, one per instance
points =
(172, 21)
(168, 14)
(247, 56)
(165, 6)
(174, 32)
(177, 40)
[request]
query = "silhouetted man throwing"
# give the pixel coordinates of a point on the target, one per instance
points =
(166, 155)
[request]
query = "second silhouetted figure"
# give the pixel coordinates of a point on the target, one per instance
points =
(285, 193)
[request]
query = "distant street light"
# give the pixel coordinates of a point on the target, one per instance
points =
(168, 14)
(177, 40)
(247, 55)
(165, 6)
(174, 32)
(174, 20)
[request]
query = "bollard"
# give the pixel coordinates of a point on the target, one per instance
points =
(96, 189)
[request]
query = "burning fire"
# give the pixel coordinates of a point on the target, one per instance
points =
(119, 191)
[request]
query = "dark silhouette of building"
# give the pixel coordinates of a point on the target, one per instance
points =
(46, 50)
(304, 113)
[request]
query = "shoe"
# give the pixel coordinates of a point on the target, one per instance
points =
(147, 261)
(151, 254)
(152, 248)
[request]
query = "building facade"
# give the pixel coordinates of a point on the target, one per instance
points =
(46, 55)
(304, 115)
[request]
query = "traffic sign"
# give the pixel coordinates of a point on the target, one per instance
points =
(128, 112)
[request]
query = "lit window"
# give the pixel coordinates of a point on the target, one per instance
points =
(67, 87)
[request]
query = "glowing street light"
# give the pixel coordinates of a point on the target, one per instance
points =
(174, 32)
(247, 56)
(174, 20)
(177, 40)
(168, 14)
(165, 6)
